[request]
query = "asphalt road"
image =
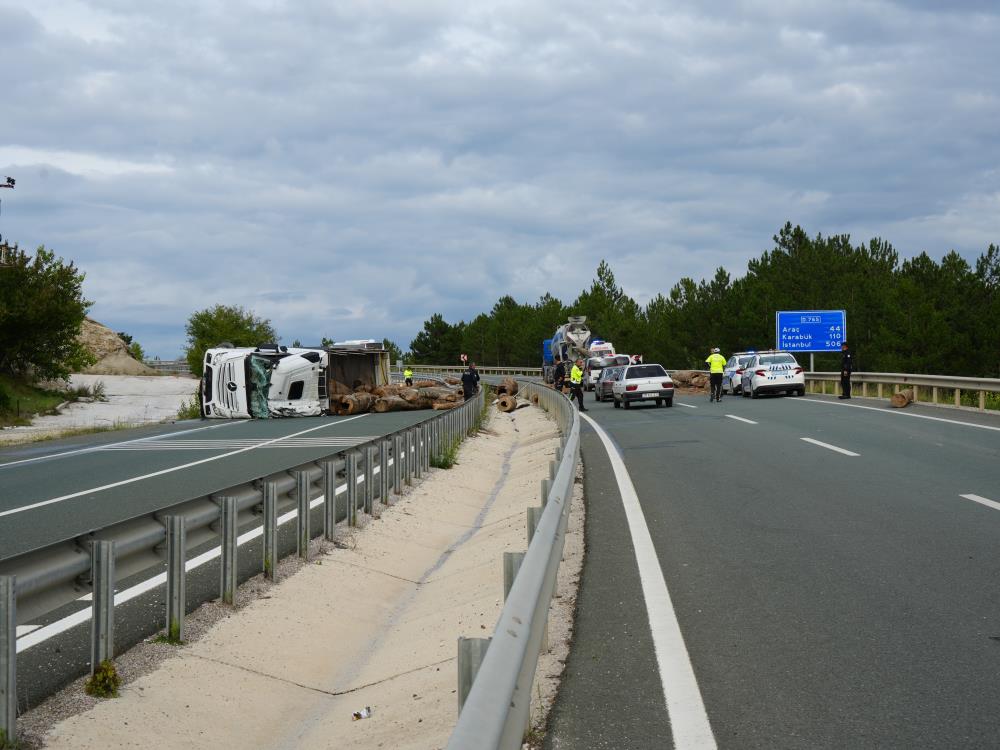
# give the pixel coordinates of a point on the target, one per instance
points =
(69, 488)
(826, 600)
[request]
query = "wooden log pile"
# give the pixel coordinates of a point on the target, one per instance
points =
(901, 399)
(424, 394)
(508, 386)
(690, 379)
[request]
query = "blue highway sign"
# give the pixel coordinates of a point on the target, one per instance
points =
(810, 330)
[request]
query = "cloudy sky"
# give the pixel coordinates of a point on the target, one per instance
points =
(349, 168)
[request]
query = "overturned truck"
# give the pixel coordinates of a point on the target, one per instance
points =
(279, 381)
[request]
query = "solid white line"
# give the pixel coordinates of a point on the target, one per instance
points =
(93, 448)
(896, 412)
(983, 501)
(741, 419)
(688, 719)
(830, 447)
(32, 635)
(172, 469)
(688, 406)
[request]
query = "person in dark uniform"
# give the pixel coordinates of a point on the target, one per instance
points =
(846, 368)
(559, 375)
(470, 382)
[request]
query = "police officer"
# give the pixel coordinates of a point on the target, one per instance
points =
(576, 382)
(846, 368)
(408, 375)
(559, 375)
(716, 366)
(470, 382)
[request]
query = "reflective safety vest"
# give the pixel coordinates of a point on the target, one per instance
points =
(576, 375)
(716, 363)
(407, 373)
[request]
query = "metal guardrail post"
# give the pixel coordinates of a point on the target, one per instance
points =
(427, 446)
(471, 652)
(303, 517)
(383, 472)
(397, 464)
(102, 622)
(227, 582)
(351, 472)
(418, 460)
(534, 515)
(546, 487)
(369, 454)
(408, 457)
(329, 500)
(8, 659)
(270, 530)
(511, 564)
(176, 577)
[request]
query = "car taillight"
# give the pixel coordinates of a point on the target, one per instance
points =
(798, 370)
(631, 388)
(739, 371)
(666, 385)
(760, 373)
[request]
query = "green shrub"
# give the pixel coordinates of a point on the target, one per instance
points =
(190, 409)
(105, 681)
(447, 457)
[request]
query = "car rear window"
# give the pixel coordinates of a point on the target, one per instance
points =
(778, 359)
(646, 371)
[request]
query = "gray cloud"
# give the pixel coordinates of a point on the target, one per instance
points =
(397, 159)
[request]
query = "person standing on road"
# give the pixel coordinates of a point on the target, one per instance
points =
(576, 382)
(408, 375)
(559, 375)
(846, 368)
(716, 366)
(470, 382)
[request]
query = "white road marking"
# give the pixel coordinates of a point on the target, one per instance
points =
(687, 406)
(741, 419)
(218, 445)
(897, 412)
(170, 470)
(983, 501)
(688, 720)
(92, 448)
(34, 634)
(830, 447)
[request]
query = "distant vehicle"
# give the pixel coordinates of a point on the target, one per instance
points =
(570, 341)
(773, 372)
(594, 365)
(643, 383)
(607, 378)
(732, 375)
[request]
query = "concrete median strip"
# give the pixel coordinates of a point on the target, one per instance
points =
(373, 622)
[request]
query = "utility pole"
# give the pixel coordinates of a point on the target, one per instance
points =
(5, 248)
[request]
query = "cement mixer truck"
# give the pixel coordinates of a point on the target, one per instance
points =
(571, 340)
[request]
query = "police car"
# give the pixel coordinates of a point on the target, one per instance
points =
(732, 375)
(772, 372)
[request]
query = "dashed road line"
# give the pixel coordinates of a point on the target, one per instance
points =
(830, 447)
(686, 406)
(983, 501)
(688, 719)
(169, 470)
(741, 419)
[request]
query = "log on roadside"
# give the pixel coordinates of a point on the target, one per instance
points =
(442, 405)
(336, 388)
(356, 403)
(393, 403)
(440, 393)
(508, 385)
(453, 381)
(901, 399)
(506, 403)
(392, 389)
(534, 399)
(425, 383)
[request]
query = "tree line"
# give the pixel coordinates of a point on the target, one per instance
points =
(917, 315)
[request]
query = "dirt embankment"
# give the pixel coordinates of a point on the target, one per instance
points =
(111, 353)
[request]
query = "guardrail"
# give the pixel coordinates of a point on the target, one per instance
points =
(50, 578)
(458, 370)
(978, 394)
(495, 712)
(179, 366)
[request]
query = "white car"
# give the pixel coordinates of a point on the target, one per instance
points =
(732, 375)
(773, 372)
(643, 383)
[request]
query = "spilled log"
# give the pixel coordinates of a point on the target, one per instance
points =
(356, 403)
(901, 399)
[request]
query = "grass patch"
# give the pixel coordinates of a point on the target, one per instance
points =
(20, 401)
(447, 457)
(7, 743)
(190, 409)
(105, 681)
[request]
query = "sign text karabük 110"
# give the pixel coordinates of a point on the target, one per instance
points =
(810, 330)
